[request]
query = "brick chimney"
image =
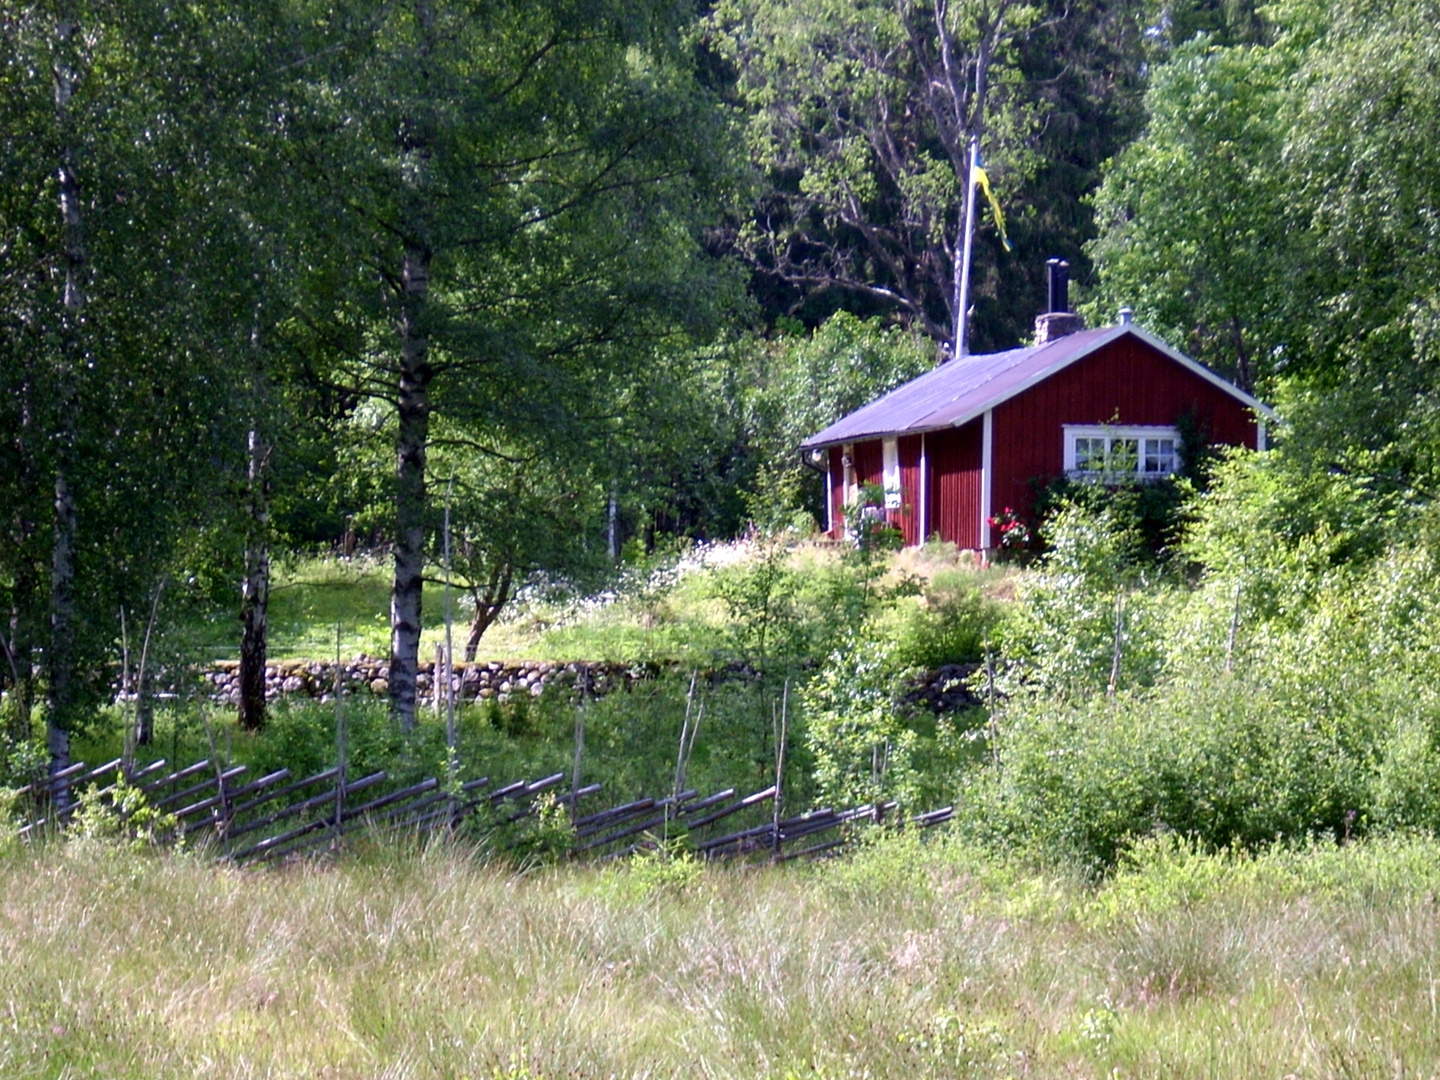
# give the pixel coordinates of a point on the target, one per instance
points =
(1058, 320)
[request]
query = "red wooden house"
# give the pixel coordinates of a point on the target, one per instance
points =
(976, 435)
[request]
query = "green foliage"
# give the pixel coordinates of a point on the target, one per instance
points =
(1194, 227)
(1228, 763)
(1276, 220)
(1276, 525)
(764, 625)
(800, 383)
(121, 817)
(1291, 704)
(952, 622)
(858, 118)
(868, 525)
(654, 874)
(863, 752)
(1090, 617)
(541, 838)
(514, 518)
(1148, 515)
(22, 761)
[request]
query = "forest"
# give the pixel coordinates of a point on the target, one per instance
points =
(533, 296)
(335, 330)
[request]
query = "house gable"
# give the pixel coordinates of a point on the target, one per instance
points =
(1126, 382)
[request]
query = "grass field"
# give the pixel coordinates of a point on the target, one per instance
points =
(910, 960)
(667, 611)
(312, 597)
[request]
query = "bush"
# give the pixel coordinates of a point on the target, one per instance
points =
(1092, 616)
(1149, 515)
(861, 747)
(1223, 762)
(952, 623)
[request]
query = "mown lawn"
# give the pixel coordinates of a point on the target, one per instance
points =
(910, 960)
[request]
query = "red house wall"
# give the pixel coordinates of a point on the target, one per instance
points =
(953, 486)
(908, 516)
(869, 462)
(1124, 383)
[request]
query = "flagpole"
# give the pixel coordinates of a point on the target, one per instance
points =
(962, 275)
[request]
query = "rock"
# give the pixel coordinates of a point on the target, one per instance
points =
(379, 686)
(293, 684)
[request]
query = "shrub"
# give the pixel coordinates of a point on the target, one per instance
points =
(951, 625)
(1091, 617)
(1224, 762)
(861, 748)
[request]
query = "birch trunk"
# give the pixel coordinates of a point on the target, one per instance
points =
(414, 434)
(413, 401)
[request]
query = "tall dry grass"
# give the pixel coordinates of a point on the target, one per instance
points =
(910, 960)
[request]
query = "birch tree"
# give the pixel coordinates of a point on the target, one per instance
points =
(115, 334)
(511, 194)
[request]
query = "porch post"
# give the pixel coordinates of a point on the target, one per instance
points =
(987, 476)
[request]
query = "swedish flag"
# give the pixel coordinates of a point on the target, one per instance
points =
(983, 179)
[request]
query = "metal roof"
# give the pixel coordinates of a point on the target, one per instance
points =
(958, 391)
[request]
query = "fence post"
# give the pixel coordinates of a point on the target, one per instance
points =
(340, 747)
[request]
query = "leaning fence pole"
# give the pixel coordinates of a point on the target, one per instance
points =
(340, 747)
(452, 762)
(781, 739)
(440, 670)
(684, 731)
(127, 752)
(1119, 644)
(579, 745)
(1234, 631)
(990, 702)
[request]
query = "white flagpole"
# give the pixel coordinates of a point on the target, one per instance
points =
(962, 275)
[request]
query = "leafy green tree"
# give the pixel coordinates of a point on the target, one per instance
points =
(516, 189)
(118, 332)
(801, 382)
(514, 517)
(1197, 229)
(1277, 219)
(861, 118)
(1362, 161)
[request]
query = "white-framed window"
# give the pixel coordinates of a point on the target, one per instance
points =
(890, 465)
(1121, 453)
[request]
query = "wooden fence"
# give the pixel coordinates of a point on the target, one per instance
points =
(277, 816)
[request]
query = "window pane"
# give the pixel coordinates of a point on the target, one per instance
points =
(1089, 454)
(1160, 458)
(1124, 455)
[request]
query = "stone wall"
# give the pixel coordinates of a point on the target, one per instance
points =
(942, 691)
(477, 681)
